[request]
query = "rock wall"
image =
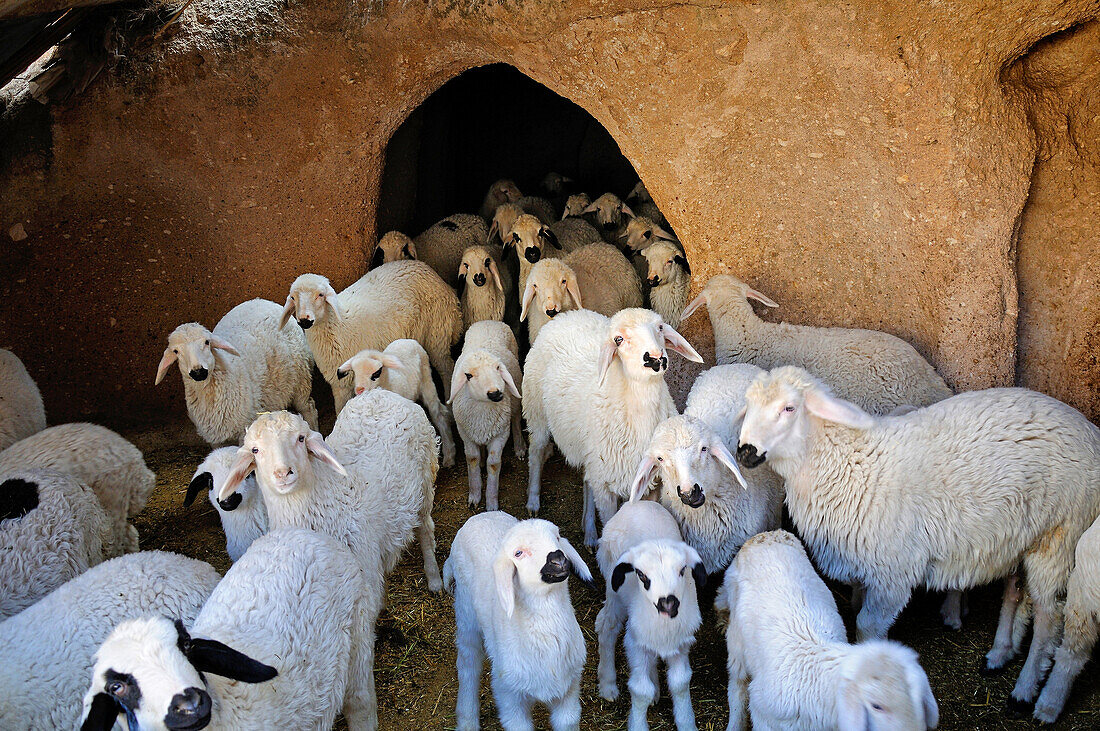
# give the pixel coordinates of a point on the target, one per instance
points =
(865, 164)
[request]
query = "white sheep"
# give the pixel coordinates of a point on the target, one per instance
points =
(104, 461)
(485, 398)
(270, 648)
(506, 215)
(249, 363)
(403, 368)
(501, 192)
(405, 299)
(393, 246)
(596, 385)
(511, 599)
(669, 279)
(531, 240)
(610, 214)
(950, 496)
(372, 486)
(242, 514)
(481, 288)
(573, 233)
(52, 528)
(640, 233)
(540, 208)
(872, 369)
(661, 601)
(21, 410)
(790, 664)
(441, 246)
(43, 674)
(596, 277)
(575, 205)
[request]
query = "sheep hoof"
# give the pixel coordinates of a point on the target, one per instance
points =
(533, 510)
(472, 504)
(1017, 708)
(609, 692)
(435, 584)
(1045, 714)
(984, 668)
(953, 623)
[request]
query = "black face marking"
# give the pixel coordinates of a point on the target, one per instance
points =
(695, 498)
(551, 313)
(123, 687)
(377, 374)
(341, 373)
(669, 605)
(747, 456)
(17, 498)
(654, 280)
(377, 259)
(189, 710)
(609, 226)
(549, 235)
(479, 279)
(102, 714)
(461, 284)
(532, 254)
(198, 374)
(305, 323)
(683, 263)
(211, 656)
(495, 396)
(202, 482)
(231, 503)
(647, 233)
(449, 225)
(699, 573)
(642, 578)
(557, 567)
(618, 576)
(654, 364)
(405, 251)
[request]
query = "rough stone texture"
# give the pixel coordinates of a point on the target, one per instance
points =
(865, 164)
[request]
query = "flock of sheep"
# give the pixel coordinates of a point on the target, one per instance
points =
(892, 482)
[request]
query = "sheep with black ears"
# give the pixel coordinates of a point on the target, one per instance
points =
(669, 279)
(404, 299)
(875, 370)
(501, 192)
(661, 601)
(596, 385)
(249, 363)
(511, 599)
(790, 664)
(270, 648)
(482, 287)
(21, 410)
(243, 514)
(611, 216)
(403, 369)
(485, 398)
(52, 528)
(1006, 476)
(43, 675)
(393, 246)
(531, 240)
(110, 465)
(441, 245)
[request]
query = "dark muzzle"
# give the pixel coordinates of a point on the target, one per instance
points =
(693, 499)
(231, 503)
(669, 605)
(656, 364)
(479, 279)
(532, 254)
(747, 456)
(551, 313)
(557, 568)
(305, 323)
(198, 374)
(495, 396)
(189, 710)
(610, 226)
(653, 281)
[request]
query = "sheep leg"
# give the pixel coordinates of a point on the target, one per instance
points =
(492, 471)
(440, 418)
(953, 609)
(1080, 638)
(565, 713)
(470, 661)
(607, 503)
(536, 454)
(360, 701)
(1002, 651)
(426, 534)
(513, 707)
(738, 693)
(643, 691)
(881, 607)
(588, 517)
(679, 687)
(1044, 638)
(609, 622)
(473, 468)
(517, 435)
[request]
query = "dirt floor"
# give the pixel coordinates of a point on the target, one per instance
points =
(415, 672)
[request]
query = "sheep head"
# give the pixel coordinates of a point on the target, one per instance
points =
(689, 456)
(534, 557)
(639, 339)
(366, 368)
(478, 267)
(212, 474)
(483, 376)
(666, 263)
(504, 218)
(609, 210)
(669, 576)
(883, 686)
(575, 205)
(641, 233)
(192, 346)
(552, 287)
(726, 288)
(393, 246)
(311, 299)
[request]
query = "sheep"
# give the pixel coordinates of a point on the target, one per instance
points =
(242, 514)
(643, 203)
(441, 246)
(596, 277)
(596, 384)
(669, 279)
(1004, 476)
(270, 648)
(21, 410)
(487, 297)
(52, 528)
(393, 246)
(270, 369)
(403, 369)
(485, 397)
(405, 299)
(640, 233)
(788, 655)
(642, 538)
(556, 184)
(875, 370)
(540, 208)
(574, 233)
(575, 205)
(528, 239)
(371, 486)
(609, 212)
(43, 674)
(113, 467)
(511, 599)
(501, 192)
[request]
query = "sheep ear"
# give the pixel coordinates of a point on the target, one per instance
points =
(202, 482)
(494, 230)
(580, 568)
(504, 571)
(549, 235)
(288, 312)
(922, 695)
(345, 368)
(315, 445)
(222, 344)
(461, 285)
(699, 573)
(663, 234)
(496, 274)
(410, 251)
(564, 214)
(836, 410)
(720, 453)
(607, 354)
(693, 306)
(618, 576)
(676, 341)
(752, 294)
(508, 380)
(377, 259)
(574, 289)
(388, 361)
(683, 262)
(242, 466)
(102, 713)
(334, 303)
(211, 656)
(165, 363)
(642, 478)
(528, 296)
(458, 382)
(626, 209)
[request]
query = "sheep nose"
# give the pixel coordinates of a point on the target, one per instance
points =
(231, 503)
(669, 605)
(746, 455)
(556, 568)
(656, 364)
(610, 226)
(551, 313)
(479, 279)
(495, 395)
(694, 498)
(198, 374)
(188, 709)
(283, 472)
(532, 254)
(305, 323)
(359, 390)
(653, 281)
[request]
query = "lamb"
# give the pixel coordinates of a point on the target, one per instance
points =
(875, 370)
(403, 369)
(270, 369)
(528, 239)
(486, 299)
(575, 205)
(508, 578)
(596, 275)
(393, 246)
(242, 514)
(501, 192)
(574, 233)
(52, 529)
(405, 299)
(1006, 475)
(596, 384)
(642, 538)
(98, 457)
(270, 648)
(441, 246)
(788, 655)
(371, 486)
(21, 411)
(43, 674)
(485, 397)
(609, 212)
(669, 280)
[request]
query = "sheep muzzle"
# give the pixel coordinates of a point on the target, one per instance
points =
(557, 567)
(668, 605)
(655, 364)
(479, 279)
(695, 497)
(747, 456)
(198, 374)
(532, 254)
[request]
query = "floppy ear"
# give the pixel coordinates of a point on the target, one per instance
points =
(607, 354)
(504, 570)
(922, 695)
(564, 214)
(222, 344)
(242, 466)
(626, 209)
(549, 235)
(580, 568)
(618, 576)
(388, 361)
(165, 363)
(676, 341)
(852, 716)
(199, 483)
(288, 312)
(378, 258)
(496, 274)
(315, 445)
(752, 294)
(102, 713)
(574, 289)
(699, 573)
(211, 656)
(720, 453)
(642, 477)
(838, 411)
(528, 296)
(683, 263)
(461, 284)
(508, 380)
(663, 234)
(693, 306)
(345, 368)
(494, 230)
(458, 382)
(591, 208)
(330, 297)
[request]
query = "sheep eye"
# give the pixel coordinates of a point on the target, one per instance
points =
(642, 577)
(255, 450)
(469, 376)
(618, 340)
(563, 281)
(515, 237)
(647, 234)
(704, 450)
(115, 687)
(487, 263)
(301, 437)
(788, 408)
(660, 459)
(519, 553)
(682, 569)
(175, 351)
(319, 295)
(207, 342)
(876, 706)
